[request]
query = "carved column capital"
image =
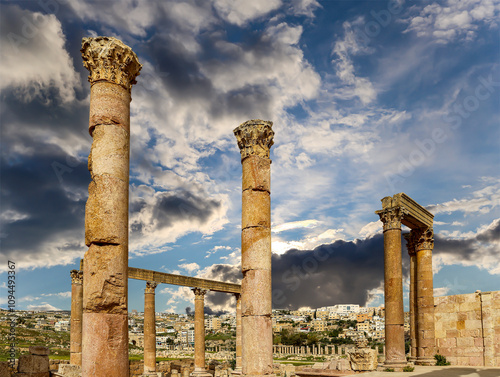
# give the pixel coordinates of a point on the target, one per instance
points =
(254, 137)
(76, 277)
(199, 293)
(410, 243)
(109, 59)
(424, 238)
(391, 217)
(151, 286)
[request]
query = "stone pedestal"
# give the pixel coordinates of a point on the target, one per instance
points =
(426, 343)
(76, 318)
(149, 329)
(113, 67)
(393, 289)
(255, 138)
(199, 334)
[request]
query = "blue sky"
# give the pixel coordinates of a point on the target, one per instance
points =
(368, 99)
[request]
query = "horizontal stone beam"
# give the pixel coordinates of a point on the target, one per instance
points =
(415, 216)
(185, 281)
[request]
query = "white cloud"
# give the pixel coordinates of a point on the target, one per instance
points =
(454, 19)
(240, 12)
(294, 225)
(371, 229)
(33, 57)
(355, 86)
(442, 291)
(482, 201)
(190, 267)
(43, 307)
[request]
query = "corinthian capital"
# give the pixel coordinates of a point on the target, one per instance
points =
(76, 277)
(109, 59)
(255, 137)
(199, 293)
(151, 286)
(424, 238)
(410, 242)
(391, 217)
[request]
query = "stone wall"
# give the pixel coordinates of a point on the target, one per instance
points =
(468, 328)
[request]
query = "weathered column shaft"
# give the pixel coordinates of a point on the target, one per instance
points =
(255, 138)
(149, 328)
(76, 317)
(393, 288)
(413, 301)
(199, 332)
(238, 333)
(426, 343)
(113, 68)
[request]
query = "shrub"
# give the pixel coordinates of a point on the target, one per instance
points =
(441, 360)
(408, 369)
(389, 370)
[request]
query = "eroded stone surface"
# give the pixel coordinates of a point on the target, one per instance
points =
(257, 211)
(255, 137)
(106, 288)
(110, 152)
(255, 246)
(106, 211)
(105, 341)
(256, 299)
(109, 105)
(256, 173)
(363, 359)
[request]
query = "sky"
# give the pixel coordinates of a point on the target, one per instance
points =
(368, 99)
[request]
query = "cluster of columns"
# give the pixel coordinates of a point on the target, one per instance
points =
(255, 138)
(311, 350)
(420, 245)
(113, 67)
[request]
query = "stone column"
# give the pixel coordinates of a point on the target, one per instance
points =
(149, 329)
(76, 317)
(199, 333)
(113, 67)
(255, 138)
(393, 288)
(426, 343)
(413, 289)
(238, 369)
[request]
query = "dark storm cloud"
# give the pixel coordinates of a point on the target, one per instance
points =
(42, 198)
(344, 272)
(470, 248)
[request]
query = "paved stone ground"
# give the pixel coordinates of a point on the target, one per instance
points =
(451, 371)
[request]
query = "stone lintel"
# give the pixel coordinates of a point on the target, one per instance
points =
(185, 281)
(415, 216)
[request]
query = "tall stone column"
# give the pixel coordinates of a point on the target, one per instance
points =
(199, 333)
(410, 244)
(150, 329)
(255, 138)
(76, 317)
(393, 288)
(113, 67)
(238, 369)
(426, 343)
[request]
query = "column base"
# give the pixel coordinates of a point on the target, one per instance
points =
(427, 361)
(396, 365)
(412, 359)
(200, 373)
(237, 372)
